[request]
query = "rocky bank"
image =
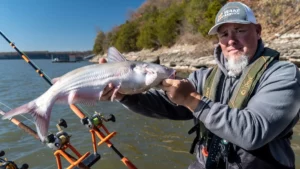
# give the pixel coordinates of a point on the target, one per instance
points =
(189, 57)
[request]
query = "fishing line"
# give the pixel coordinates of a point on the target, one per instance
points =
(20, 115)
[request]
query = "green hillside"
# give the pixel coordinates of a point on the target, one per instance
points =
(163, 23)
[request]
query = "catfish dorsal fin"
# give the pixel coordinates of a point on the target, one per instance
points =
(54, 80)
(113, 55)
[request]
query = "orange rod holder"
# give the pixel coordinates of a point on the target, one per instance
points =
(73, 162)
(95, 130)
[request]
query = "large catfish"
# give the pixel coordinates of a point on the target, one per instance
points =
(86, 84)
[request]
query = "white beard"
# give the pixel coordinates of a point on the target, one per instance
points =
(236, 65)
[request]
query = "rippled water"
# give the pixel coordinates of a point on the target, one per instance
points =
(147, 143)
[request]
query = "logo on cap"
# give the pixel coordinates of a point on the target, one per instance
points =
(228, 12)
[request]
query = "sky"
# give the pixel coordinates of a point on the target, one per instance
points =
(60, 25)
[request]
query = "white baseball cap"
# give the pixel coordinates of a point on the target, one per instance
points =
(233, 12)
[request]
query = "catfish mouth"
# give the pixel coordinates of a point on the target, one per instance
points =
(173, 74)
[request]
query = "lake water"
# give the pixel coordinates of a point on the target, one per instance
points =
(148, 143)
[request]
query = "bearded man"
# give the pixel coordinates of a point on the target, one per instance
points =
(244, 108)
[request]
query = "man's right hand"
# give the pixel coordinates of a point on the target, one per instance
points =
(109, 89)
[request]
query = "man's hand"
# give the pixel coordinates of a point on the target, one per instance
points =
(102, 60)
(181, 92)
(109, 89)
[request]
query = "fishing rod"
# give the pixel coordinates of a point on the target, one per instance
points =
(94, 128)
(23, 126)
(37, 69)
(58, 142)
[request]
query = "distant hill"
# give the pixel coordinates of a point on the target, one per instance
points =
(191, 48)
(43, 54)
(165, 23)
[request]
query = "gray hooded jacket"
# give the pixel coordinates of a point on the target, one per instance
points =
(271, 113)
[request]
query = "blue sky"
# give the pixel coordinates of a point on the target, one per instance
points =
(60, 25)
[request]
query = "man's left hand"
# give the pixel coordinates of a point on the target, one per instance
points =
(181, 92)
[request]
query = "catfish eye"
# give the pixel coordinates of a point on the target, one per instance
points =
(132, 66)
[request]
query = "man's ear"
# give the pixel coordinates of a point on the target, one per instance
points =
(258, 29)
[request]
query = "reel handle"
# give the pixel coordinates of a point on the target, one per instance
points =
(24, 166)
(2, 153)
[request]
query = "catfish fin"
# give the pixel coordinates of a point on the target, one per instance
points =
(26, 108)
(100, 94)
(73, 98)
(54, 80)
(41, 116)
(115, 92)
(42, 123)
(113, 55)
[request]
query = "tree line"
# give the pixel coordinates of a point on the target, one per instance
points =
(154, 26)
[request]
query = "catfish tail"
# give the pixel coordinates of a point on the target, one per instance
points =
(40, 114)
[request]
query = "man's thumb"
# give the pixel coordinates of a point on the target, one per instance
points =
(102, 60)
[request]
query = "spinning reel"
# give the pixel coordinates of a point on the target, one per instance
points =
(5, 164)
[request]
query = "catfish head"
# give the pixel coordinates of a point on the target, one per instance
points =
(150, 75)
(141, 76)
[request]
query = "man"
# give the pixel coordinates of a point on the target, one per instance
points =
(244, 108)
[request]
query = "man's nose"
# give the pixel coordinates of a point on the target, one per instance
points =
(232, 40)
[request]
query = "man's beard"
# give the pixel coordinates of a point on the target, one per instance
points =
(236, 65)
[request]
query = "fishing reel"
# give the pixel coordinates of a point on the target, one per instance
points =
(5, 164)
(61, 138)
(97, 120)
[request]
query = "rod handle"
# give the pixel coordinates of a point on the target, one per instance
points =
(25, 128)
(128, 163)
(77, 111)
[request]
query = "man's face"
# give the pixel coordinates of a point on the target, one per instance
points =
(238, 40)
